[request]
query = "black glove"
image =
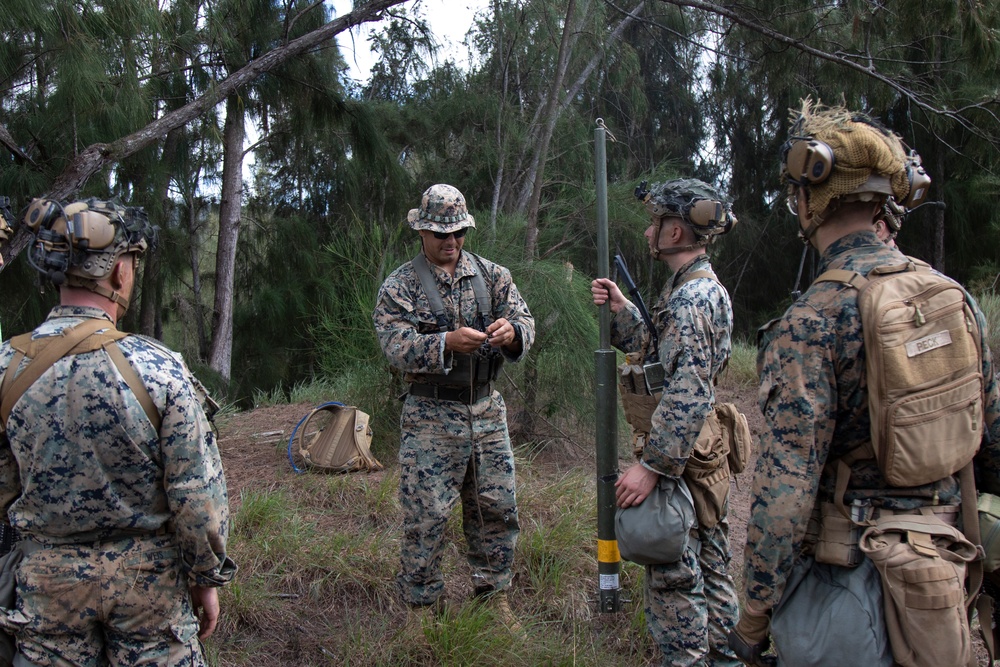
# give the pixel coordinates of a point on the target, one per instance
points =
(750, 638)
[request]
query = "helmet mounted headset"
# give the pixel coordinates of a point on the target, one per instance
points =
(77, 244)
(809, 162)
(691, 201)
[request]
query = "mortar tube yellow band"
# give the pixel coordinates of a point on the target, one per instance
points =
(607, 551)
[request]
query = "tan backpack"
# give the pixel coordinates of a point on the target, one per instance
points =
(925, 399)
(343, 444)
(924, 369)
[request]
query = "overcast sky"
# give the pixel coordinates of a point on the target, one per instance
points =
(448, 19)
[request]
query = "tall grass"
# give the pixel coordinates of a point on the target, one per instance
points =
(318, 556)
(741, 373)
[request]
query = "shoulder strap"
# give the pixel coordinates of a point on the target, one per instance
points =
(852, 278)
(56, 348)
(134, 382)
(79, 339)
(430, 287)
(484, 300)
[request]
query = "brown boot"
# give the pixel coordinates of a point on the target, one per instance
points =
(500, 605)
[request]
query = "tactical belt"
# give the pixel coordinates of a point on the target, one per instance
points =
(465, 395)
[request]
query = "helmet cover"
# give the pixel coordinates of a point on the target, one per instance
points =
(697, 203)
(861, 160)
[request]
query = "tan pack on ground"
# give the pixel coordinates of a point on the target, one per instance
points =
(342, 445)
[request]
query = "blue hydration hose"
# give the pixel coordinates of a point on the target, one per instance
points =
(295, 430)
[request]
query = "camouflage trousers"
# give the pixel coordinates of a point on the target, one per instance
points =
(691, 605)
(121, 602)
(449, 452)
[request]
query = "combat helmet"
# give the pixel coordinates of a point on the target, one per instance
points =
(77, 244)
(697, 203)
(840, 156)
(442, 209)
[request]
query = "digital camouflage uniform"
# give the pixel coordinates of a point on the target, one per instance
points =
(691, 604)
(814, 398)
(118, 521)
(450, 451)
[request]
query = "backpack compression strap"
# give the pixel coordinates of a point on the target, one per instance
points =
(43, 353)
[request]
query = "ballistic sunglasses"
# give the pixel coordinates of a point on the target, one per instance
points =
(441, 236)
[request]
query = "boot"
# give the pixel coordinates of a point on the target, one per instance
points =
(500, 605)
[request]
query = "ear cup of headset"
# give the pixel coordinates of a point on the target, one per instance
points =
(920, 183)
(809, 161)
(41, 213)
(706, 214)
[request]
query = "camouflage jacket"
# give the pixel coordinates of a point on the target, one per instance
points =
(814, 398)
(408, 330)
(695, 323)
(80, 460)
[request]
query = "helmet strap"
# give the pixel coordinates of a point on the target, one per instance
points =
(111, 295)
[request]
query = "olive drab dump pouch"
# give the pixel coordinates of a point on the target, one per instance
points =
(341, 444)
(658, 530)
(806, 633)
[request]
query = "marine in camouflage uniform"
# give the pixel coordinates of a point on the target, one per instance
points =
(454, 447)
(123, 529)
(813, 389)
(690, 605)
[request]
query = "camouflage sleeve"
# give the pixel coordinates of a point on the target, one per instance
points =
(686, 354)
(401, 330)
(194, 483)
(508, 303)
(987, 461)
(628, 330)
(798, 397)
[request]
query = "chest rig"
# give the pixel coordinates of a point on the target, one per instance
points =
(471, 374)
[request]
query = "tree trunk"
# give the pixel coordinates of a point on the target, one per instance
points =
(233, 136)
(194, 235)
(150, 322)
(541, 152)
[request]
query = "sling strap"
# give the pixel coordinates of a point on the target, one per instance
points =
(44, 352)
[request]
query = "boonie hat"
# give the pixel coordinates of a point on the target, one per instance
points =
(442, 209)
